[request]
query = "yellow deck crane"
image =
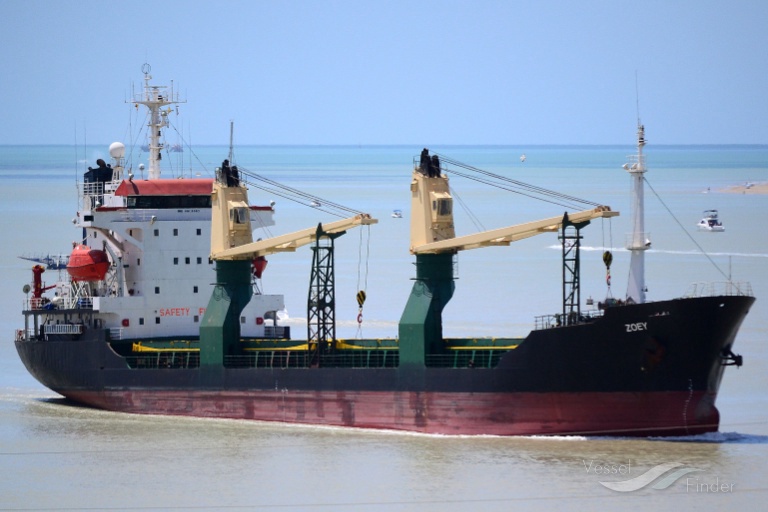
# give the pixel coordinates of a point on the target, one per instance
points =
(233, 249)
(434, 243)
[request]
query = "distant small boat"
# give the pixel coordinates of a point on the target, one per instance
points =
(710, 222)
(397, 214)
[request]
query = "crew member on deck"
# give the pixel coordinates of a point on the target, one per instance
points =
(226, 173)
(235, 176)
(100, 174)
(94, 181)
(429, 167)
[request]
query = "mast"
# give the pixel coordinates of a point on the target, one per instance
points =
(231, 156)
(638, 241)
(155, 97)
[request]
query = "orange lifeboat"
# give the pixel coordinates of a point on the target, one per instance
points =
(86, 264)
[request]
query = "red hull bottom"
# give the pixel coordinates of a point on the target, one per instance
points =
(623, 414)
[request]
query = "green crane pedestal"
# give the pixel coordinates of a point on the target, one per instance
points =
(421, 325)
(220, 327)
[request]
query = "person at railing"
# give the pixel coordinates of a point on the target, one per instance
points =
(94, 181)
(226, 174)
(230, 176)
(100, 174)
(235, 176)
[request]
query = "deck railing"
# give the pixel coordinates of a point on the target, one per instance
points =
(559, 320)
(64, 328)
(713, 289)
(466, 359)
(59, 303)
(170, 359)
(164, 360)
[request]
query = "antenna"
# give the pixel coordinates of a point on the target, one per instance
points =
(637, 99)
(76, 166)
(231, 135)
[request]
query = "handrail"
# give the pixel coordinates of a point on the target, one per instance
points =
(717, 288)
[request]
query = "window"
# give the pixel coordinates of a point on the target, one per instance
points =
(194, 289)
(157, 232)
(242, 319)
(165, 202)
(175, 261)
(141, 321)
(238, 215)
(138, 262)
(444, 207)
(199, 231)
(186, 260)
(199, 260)
(157, 319)
(157, 289)
(197, 318)
(175, 232)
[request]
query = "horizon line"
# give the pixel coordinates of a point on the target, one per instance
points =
(361, 145)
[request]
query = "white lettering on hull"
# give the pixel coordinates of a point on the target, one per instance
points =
(637, 326)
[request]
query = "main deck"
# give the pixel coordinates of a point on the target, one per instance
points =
(343, 353)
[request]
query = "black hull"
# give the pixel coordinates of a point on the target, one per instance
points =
(643, 369)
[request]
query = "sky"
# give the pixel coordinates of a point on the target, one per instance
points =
(391, 72)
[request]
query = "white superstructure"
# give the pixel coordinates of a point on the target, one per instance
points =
(156, 234)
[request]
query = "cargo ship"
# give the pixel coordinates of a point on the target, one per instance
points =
(136, 325)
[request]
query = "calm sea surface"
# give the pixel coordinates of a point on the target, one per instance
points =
(54, 456)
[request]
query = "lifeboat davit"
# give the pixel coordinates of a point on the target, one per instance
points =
(86, 264)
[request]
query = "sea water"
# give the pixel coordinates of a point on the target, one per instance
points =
(55, 456)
